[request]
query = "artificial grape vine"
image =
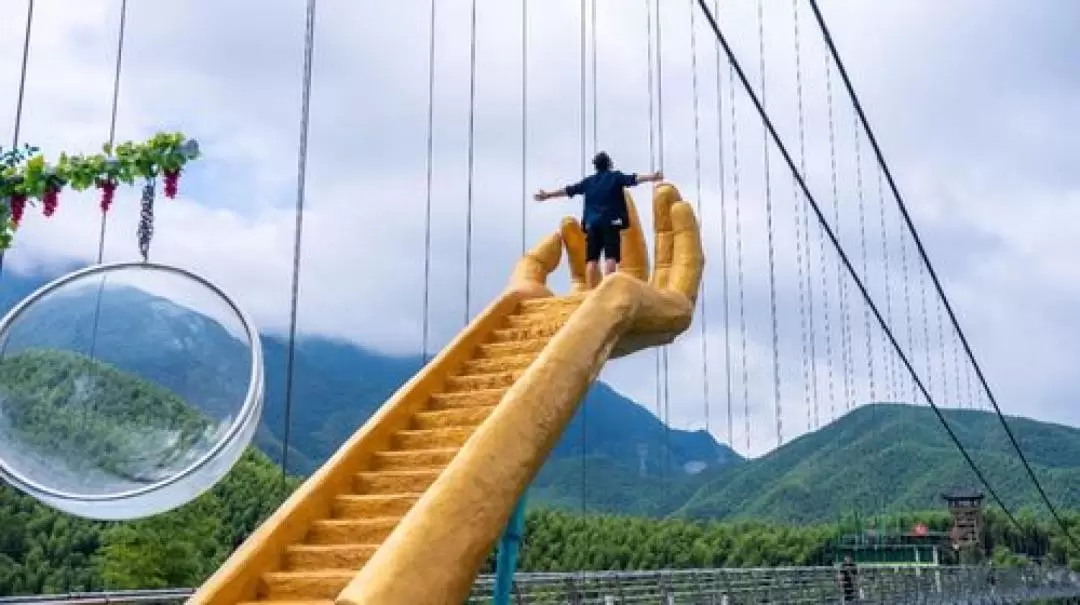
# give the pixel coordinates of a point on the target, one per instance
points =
(25, 176)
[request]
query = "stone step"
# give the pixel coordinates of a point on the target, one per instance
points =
(405, 460)
(506, 363)
(352, 506)
(542, 305)
(430, 439)
(351, 531)
(482, 382)
(466, 399)
(457, 417)
(304, 585)
(394, 482)
(496, 350)
(314, 557)
(544, 330)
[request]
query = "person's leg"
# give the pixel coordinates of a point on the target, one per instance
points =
(612, 249)
(594, 245)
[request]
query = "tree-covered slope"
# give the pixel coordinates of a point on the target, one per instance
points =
(892, 457)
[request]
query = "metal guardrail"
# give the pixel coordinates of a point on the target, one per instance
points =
(788, 585)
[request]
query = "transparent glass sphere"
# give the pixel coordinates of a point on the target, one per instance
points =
(126, 390)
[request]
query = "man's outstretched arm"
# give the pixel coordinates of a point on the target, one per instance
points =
(654, 177)
(547, 195)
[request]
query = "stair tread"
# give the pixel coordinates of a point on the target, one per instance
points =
(314, 574)
(291, 602)
(437, 451)
(327, 547)
(376, 497)
(401, 472)
(372, 521)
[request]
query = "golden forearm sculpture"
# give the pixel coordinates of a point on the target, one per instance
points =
(433, 556)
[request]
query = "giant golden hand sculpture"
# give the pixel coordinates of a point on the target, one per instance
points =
(437, 549)
(663, 302)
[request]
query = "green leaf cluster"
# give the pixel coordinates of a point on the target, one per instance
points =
(25, 174)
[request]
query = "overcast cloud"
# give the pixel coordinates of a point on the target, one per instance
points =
(974, 103)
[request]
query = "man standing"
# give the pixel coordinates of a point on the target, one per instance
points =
(605, 213)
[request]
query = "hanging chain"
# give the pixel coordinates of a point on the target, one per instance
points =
(146, 219)
(771, 235)
(891, 372)
(802, 242)
(703, 306)
(840, 284)
(724, 240)
(862, 246)
(739, 253)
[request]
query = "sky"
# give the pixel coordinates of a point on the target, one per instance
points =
(971, 103)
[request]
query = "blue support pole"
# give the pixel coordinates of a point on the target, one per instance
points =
(506, 563)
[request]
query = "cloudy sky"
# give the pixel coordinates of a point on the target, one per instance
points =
(973, 103)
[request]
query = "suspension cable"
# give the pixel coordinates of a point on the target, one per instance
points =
(771, 235)
(843, 255)
(21, 95)
(472, 162)
(430, 165)
(703, 307)
(802, 243)
(723, 239)
(933, 275)
(301, 183)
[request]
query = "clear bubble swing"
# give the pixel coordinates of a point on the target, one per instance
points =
(126, 390)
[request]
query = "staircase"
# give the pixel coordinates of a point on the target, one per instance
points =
(334, 549)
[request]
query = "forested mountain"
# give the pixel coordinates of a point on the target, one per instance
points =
(336, 385)
(891, 458)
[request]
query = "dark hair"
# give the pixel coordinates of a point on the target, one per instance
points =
(601, 161)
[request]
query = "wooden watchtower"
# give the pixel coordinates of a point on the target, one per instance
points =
(966, 507)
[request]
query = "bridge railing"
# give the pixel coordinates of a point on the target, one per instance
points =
(795, 585)
(729, 586)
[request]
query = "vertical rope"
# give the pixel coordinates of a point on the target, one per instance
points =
(769, 228)
(891, 372)
(113, 113)
(907, 308)
(703, 306)
(301, 182)
(739, 254)
(595, 88)
(723, 239)
(21, 94)
(862, 247)
(840, 289)
(802, 247)
(652, 167)
(430, 163)
(472, 162)
(926, 329)
(524, 120)
(584, 170)
(660, 166)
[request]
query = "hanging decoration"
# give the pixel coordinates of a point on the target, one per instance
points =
(25, 176)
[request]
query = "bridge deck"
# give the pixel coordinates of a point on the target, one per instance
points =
(789, 585)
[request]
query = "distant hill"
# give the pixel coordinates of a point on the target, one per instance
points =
(891, 458)
(338, 385)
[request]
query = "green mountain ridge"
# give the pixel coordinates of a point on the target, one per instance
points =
(885, 458)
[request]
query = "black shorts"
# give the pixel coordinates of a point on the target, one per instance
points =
(603, 238)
